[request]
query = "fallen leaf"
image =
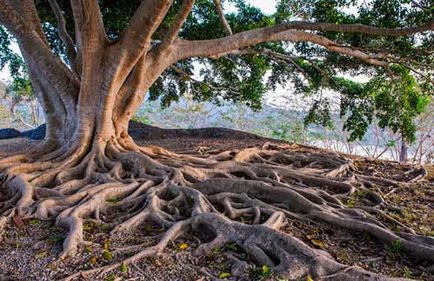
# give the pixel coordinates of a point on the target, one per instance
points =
(224, 275)
(318, 243)
(18, 221)
(93, 261)
(123, 267)
(41, 254)
(183, 246)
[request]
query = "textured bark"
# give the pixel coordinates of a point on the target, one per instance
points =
(88, 157)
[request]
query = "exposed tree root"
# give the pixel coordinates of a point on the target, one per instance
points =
(241, 197)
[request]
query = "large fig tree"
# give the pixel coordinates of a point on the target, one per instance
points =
(91, 64)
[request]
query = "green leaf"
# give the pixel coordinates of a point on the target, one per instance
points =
(107, 255)
(224, 275)
(123, 267)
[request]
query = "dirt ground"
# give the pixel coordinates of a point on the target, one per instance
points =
(29, 248)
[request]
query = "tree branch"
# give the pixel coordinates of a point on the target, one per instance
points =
(181, 17)
(282, 32)
(30, 41)
(286, 32)
(63, 33)
(27, 9)
(223, 21)
(220, 47)
(89, 30)
(137, 37)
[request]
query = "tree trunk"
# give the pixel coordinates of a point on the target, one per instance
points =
(403, 152)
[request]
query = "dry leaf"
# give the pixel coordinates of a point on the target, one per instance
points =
(318, 243)
(183, 246)
(224, 275)
(18, 221)
(41, 255)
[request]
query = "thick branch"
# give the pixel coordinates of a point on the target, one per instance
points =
(30, 41)
(136, 39)
(27, 9)
(216, 49)
(182, 15)
(223, 21)
(89, 29)
(63, 33)
(282, 32)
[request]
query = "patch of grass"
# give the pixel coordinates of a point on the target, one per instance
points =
(232, 247)
(55, 238)
(406, 272)
(263, 272)
(34, 221)
(395, 247)
(123, 267)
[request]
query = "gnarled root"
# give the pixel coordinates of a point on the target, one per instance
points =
(243, 197)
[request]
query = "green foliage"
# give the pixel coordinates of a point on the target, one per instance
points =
(262, 273)
(108, 256)
(394, 98)
(8, 56)
(395, 247)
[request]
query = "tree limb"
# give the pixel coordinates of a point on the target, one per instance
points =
(63, 33)
(181, 17)
(135, 41)
(223, 21)
(220, 47)
(89, 30)
(282, 32)
(27, 9)
(30, 41)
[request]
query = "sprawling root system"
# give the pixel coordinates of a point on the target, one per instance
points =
(243, 197)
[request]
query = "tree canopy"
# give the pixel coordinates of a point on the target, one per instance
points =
(399, 68)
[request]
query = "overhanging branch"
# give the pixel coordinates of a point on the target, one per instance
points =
(286, 32)
(223, 46)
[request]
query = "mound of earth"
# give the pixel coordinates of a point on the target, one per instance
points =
(29, 248)
(173, 139)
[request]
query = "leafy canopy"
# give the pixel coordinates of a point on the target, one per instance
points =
(393, 96)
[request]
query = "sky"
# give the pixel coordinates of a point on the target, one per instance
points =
(267, 6)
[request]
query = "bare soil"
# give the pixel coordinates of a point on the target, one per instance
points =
(29, 248)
